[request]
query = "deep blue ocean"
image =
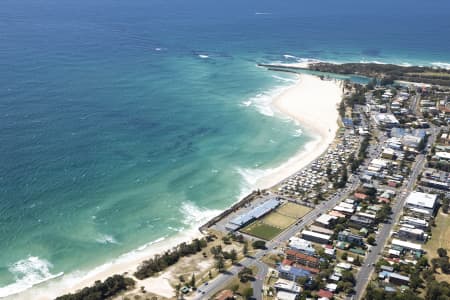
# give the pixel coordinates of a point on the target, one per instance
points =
(122, 122)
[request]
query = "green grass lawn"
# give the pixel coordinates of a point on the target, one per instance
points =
(277, 220)
(440, 238)
(293, 210)
(261, 230)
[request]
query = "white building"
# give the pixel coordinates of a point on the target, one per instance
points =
(407, 245)
(416, 222)
(301, 245)
(422, 204)
(325, 220)
(283, 295)
(287, 286)
(386, 119)
(442, 155)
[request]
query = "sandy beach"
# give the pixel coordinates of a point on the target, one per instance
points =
(311, 101)
(127, 263)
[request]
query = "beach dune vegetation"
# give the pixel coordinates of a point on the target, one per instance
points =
(158, 263)
(102, 290)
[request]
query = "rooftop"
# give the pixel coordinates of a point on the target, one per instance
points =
(284, 284)
(302, 256)
(325, 294)
(297, 272)
(325, 219)
(256, 212)
(283, 295)
(315, 234)
(421, 199)
(407, 245)
(224, 295)
(301, 244)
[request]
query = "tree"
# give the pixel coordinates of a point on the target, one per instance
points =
(302, 280)
(216, 251)
(445, 205)
(437, 290)
(383, 213)
(210, 274)
(233, 255)
(415, 281)
(259, 244)
(342, 109)
(102, 290)
(357, 261)
(192, 282)
(245, 248)
(245, 274)
(445, 265)
(371, 240)
(247, 293)
(220, 264)
(177, 290)
(226, 240)
(347, 287)
(344, 256)
(348, 276)
(442, 252)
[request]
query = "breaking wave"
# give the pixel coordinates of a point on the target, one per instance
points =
(195, 215)
(262, 102)
(27, 273)
(106, 239)
(442, 65)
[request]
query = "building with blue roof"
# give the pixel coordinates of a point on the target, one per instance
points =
(253, 214)
(291, 273)
(347, 122)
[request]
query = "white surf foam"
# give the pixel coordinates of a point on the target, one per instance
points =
(195, 216)
(283, 79)
(406, 64)
(251, 177)
(298, 132)
(372, 62)
(246, 103)
(28, 272)
(106, 239)
(288, 56)
(263, 13)
(203, 56)
(263, 101)
(38, 271)
(308, 60)
(442, 65)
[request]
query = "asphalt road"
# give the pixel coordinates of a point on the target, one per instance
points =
(367, 268)
(218, 283)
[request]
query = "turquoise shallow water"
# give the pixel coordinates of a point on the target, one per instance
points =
(122, 123)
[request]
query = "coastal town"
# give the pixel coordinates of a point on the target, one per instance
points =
(367, 218)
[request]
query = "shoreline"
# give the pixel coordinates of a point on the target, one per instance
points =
(294, 103)
(299, 102)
